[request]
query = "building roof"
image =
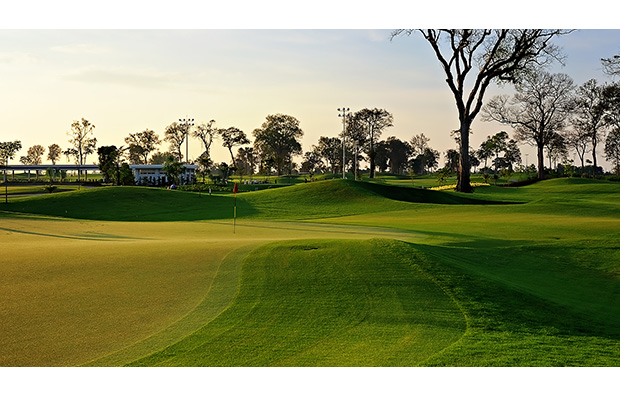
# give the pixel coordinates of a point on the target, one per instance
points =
(153, 167)
(45, 167)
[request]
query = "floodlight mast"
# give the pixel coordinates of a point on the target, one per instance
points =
(344, 125)
(186, 122)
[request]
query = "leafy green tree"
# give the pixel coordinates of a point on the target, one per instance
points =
(204, 163)
(486, 150)
(398, 154)
(489, 55)
(175, 134)
(125, 175)
(330, 150)
(110, 161)
(443, 174)
(141, 144)
(225, 172)
(373, 122)
(312, 163)
(173, 169)
(418, 144)
(278, 137)
(159, 158)
(54, 152)
(83, 143)
(8, 149)
(381, 151)
(232, 137)
(452, 160)
(33, 157)
(246, 161)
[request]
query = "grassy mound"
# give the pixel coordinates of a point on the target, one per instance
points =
(312, 200)
(126, 204)
(326, 303)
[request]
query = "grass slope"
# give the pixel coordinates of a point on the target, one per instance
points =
(325, 303)
(303, 201)
(537, 283)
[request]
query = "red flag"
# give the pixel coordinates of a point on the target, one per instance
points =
(235, 188)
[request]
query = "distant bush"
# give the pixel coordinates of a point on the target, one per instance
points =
(50, 188)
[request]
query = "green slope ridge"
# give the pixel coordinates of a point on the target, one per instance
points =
(312, 200)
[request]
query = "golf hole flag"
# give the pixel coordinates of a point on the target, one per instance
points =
(235, 190)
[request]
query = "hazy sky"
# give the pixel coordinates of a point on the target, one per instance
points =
(124, 81)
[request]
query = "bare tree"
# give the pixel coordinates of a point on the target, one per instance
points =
(579, 141)
(611, 66)
(612, 149)
(206, 133)
(589, 115)
(538, 110)
(502, 55)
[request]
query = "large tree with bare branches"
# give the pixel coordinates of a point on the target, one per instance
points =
(485, 55)
(538, 110)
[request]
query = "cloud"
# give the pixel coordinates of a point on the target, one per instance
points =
(79, 49)
(18, 58)
(135, 78)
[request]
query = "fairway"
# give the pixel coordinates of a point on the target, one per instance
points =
(332, 273)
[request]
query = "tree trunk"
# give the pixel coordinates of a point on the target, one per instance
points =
(594, 169)
(541, 163)
(371, 156)
(463, 183)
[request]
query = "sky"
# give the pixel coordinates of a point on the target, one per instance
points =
(127, 80)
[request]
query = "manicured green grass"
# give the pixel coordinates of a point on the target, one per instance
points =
(27, 189)
(326, 303)
(529, 284)
(309, 200)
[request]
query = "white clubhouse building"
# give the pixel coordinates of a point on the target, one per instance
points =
(151, 175)
(154, 174)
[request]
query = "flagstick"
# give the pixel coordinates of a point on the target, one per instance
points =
(235, 215)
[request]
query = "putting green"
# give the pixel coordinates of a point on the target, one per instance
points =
(77, 291)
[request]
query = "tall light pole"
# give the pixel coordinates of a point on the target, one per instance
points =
(186, 125)
(344, 126)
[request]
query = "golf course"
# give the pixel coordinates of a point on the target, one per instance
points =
(326, 273)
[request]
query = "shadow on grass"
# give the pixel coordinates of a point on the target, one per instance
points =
(527, 289)
(91, 237)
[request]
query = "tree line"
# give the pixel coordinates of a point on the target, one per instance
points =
(547, 111)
